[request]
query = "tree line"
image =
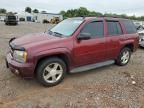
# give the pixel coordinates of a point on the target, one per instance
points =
(27, 9)
(82, 11)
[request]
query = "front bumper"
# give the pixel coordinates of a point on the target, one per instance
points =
(25, 70)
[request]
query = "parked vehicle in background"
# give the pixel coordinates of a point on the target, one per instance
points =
(11, 20)
(74, 45)
(21, 19)
(45, 21)
(139, 26)
(141, 40)
(55, 20)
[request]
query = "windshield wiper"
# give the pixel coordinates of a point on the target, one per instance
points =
(57, 34)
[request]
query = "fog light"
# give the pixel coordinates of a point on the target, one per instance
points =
(16, 72)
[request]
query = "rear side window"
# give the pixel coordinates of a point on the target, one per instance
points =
(129, 26)
(95, 29)
(114, 28)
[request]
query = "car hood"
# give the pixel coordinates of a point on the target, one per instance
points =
(142, 31)
(40, 43)
(33, 38)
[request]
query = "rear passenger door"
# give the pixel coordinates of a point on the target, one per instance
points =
(114, 35)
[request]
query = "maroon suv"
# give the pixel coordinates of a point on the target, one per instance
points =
(74, 45)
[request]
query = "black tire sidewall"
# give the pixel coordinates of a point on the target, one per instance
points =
(118, 61)
(41, 67)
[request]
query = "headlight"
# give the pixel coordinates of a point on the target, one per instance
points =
(20, 56)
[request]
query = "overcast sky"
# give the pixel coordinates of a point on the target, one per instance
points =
(130, 7)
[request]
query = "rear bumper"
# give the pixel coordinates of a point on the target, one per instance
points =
(141, 43)
(25, 70)
(11, 22)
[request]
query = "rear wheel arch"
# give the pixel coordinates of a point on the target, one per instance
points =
(125, 54)
(130, 46)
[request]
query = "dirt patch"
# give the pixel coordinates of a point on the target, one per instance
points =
(107, 87)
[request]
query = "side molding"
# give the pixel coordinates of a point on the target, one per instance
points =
(92, 66)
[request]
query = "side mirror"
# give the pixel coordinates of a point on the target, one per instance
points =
(84, 36)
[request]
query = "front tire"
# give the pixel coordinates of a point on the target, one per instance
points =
(51, 71)
(124, 57)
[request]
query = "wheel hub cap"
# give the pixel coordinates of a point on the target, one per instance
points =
(125, 57)
(53, 72)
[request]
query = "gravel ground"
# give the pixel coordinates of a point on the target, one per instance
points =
(107, 87)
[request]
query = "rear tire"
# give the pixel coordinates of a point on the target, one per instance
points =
(124, 57)
(51, 72)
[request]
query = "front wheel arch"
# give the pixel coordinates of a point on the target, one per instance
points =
(43, 64)
(60, 56)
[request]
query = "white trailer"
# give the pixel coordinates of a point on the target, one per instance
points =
(2, 17)
(40, 17)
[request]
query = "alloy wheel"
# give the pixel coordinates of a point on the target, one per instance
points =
(53, 72)
(125, 57)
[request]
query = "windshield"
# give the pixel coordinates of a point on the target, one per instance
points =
(66, 27)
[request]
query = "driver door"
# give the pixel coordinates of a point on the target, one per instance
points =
(93, 49)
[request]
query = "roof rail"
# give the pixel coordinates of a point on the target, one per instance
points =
(105, 16)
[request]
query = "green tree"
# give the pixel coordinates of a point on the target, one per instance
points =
(3, 11)
(62, 12)
(28, 9)
(10, 13)
(35, 11)
(93, 13)
(82, 11)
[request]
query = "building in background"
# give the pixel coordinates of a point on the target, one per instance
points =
(24, 16)
(40, 17)
(2, 17)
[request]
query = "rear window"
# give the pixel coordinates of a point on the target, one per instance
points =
(114, 28)
(129, 26)
(12, 17)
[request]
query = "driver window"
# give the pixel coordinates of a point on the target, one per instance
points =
(94, 29)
